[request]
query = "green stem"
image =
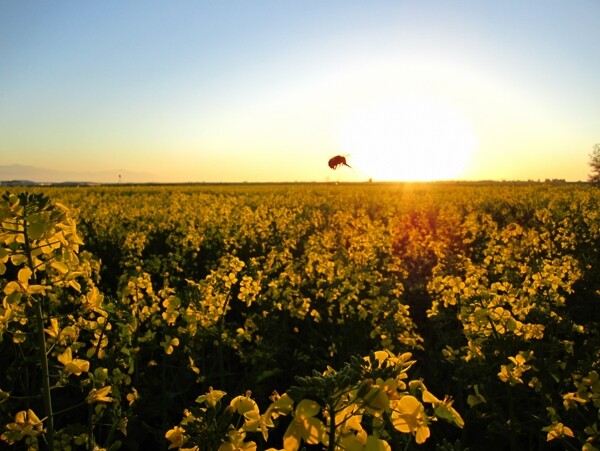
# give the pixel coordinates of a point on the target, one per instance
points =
(394, 434)
(163, 400)
(43, 356)
(509, 395)
(220, 328)
(90, 441)
(494, 332)
(332, 425)
(512, 419)
(46, 396)
(111, 434)
(68, 409)
(97, 352)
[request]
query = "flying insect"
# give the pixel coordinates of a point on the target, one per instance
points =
(338, 161)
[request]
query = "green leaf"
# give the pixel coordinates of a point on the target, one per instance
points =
(60, 267)
(24, 275)
(307, 408)
(18, 259)
(36, 230)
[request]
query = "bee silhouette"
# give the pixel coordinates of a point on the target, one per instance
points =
(337, 161)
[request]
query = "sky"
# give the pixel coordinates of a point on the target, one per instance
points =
(269, 91)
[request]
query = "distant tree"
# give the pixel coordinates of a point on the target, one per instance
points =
(594, 163)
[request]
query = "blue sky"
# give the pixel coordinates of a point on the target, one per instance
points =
(270, 90)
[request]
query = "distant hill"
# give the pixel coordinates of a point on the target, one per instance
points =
(43, 175)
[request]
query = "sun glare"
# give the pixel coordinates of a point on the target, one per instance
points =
(409, 139)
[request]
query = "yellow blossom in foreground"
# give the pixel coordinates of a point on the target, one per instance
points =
(73, 366)
(99, 395)
(133, 396)
(304, 426)
(236, 442)
(176, 437)
(211, 398)
(443, 409)
(408, 416)
(558, 430)
(26, 423)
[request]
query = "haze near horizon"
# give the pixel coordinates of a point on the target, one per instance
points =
(268, 91)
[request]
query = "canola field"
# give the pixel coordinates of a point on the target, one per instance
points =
(300, 316)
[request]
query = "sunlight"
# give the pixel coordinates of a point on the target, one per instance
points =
(408, 139)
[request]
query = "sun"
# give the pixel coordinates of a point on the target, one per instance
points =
(408, 139)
